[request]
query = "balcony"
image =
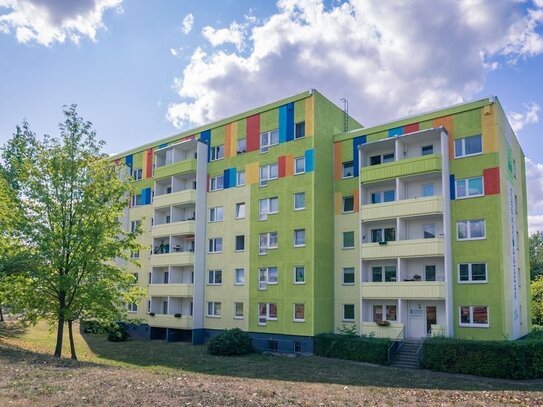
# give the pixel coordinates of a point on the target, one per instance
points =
(170, 290)
(172, 259)
(170, 321)
(175, 198)
(416, 290)
(391, 331)
(401, 168)
(408, 207)
(175, 168)
(403, 248)
(186, 227)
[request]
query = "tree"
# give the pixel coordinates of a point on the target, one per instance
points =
(72, 198)
(536, 254)
(537, 300)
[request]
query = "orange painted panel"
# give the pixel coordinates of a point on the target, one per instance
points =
(309, 116)
(289, 165)
(227, 140)
(356, 197)
(148, 163)
(448, 123)
(337, 161)
(252, 173)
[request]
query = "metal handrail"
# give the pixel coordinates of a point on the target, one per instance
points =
(419, 351)
(392, 349)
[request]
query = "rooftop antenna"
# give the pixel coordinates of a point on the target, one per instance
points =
(345, 114)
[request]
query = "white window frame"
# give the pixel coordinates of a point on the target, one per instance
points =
(263, 214)
(466, 188)
(468, 228)
(463, 144)
(471, 324)
(470, 274)
(239, 272)
(135, 201)
(239, 210)
(263, 318)
(432, 227)
(343, 204)
(216, 214)
(343, 176)
(264, 277)
(295, 233)
(213, 275)
(381, 195)
(212, 244)
(134, 224)
(263, 248)
(132, 308)
(267, 177)
(214, 182)
(243, 148)
(343, 240)
(382, 158)
(236, 316)
(295, 269)
(272, 139)
(343, 313)
(343, 276)
(432, 185)
(216, 153)
(137, 174)
(296, 161)
(294, 196)
(214, 309)
(294, 313)
(240, 178)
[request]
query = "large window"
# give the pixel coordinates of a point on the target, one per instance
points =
(132, 307)
(381, 159)
(348, 275)
(348, 312)
(299, 165)
(267, 207)
(240, 178)
(216, 214)
(468, 146)
(239, 276)
(469, 188)
(214, 309)
(240, 243)
(383, 196)
(241, 146)
(216, 183)
(267, 241)
(299, 237)
(388, 311)
(348, 204)
(380, 274)
(474, 315)
(299, 312)
(267, 275)
(214, 277)
(268, 139)
(427, 190)
(266, 311)
(136, 200)
(472, 273)
(348, 240)
(238, 310)
(429, 231)
(215, 245)
(299, 275)
(347, 169)
(137, 174)
(268, 173)
(240, 210)
(216, 153)
(299, 201)
(299, 130)
(383, 235)
(470, 229)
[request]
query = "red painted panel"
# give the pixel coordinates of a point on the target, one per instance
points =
(411, 128)
(149, 167)
(282, 163)
(253, 132)
(492, 180)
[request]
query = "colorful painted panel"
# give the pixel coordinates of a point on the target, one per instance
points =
(253, 132)
(492, 180)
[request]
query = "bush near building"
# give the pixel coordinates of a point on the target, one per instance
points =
(230, 342)
(503, 359)
(359, 348)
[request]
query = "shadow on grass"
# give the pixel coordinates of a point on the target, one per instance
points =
(163, 355)
(12, 354)
(11, 330)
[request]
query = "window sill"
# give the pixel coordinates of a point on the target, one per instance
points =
(468, 197)
(299, 283)
(347, 248)
(299, 209)
(239, 284)
(299, 320)
(238, 318)
(348, 320)
(474, 325)
(348, 284)
(212, 252)
(470, 238)
(473, 282)
(213, 316)
(299, 173)
(299, 245)
(347, 212)
(468, 155)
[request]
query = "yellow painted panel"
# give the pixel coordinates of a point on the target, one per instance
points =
(431, 290)
(406, 207)
(172, 259)
(490, 134)
(233, 138)
(169, 321)
(403, 248)
(181, 197)
(252, 173)
(408, 166)
(186, 227)
(309, 116)
(338, 201)
(169, 290)
(176, 168)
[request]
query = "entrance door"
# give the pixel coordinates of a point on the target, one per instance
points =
(431, 318)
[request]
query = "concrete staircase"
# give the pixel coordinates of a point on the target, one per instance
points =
(406, 357)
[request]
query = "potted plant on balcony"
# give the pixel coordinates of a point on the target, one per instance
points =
(177, 315)
(152, 314)
(383, 323)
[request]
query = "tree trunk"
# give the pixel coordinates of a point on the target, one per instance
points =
(72, 344)
(1, 314)
(60, 335)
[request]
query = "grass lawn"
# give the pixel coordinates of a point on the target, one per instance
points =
(161, 373)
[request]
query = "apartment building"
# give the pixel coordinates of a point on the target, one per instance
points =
(279, 222)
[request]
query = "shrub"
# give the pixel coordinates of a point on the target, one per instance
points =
(504, 359)
(362, 349)
(92, 327)
(230, 342)
(117, 333)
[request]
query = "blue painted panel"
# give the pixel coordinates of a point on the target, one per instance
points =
(283, 123)
(452, 187)
(398, 131)
(128, 161)
(309, 160)
(163, 145)
(356, 142)
(290, 121)
(226, 178)
(146, 196)
(206, 137)
(233, 177)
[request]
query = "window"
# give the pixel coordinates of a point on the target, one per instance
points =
(214, 277)
(348, 240)
(242, 146)
(299, 165)
(348, 275)
(299, 312)
(427, 150)
(267, 275)
(135, 254)
(268, 139)
(468, 146)
(133, 307)
(383, 235)
(136, 277)
(238, 310)
(347, 169)
(165, 307)
(299, 237)
(470, 230)
(214, 309)
(297, 346)
(134, 225)
(377, 313)
(383, 196)
(266, 312)
(267, 241)
(267, 207)
(239, 276)
(299, 275)
(216, 183)
(430, 273)
(299, 130)
(240, 210)
(240, 178)
(429, 231)
(267, 173)
(381, 159)
(389, 274)
(240, 243)
(469, 188)
(215, 214)
(148, 306)
(216, 153)
(427, 190)
(472, 273)
(348, 312)
(137, 174)
(390, 312)
(215, 245)
(299, 201)
(149, 278)
(136, 200)
(348, 204)
(474, 316)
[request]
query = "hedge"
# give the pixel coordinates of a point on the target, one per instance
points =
(503, 359)
(362, 349)
(230, 342)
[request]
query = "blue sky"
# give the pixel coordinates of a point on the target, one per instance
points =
(142, 70)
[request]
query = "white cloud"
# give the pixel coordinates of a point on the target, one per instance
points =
(50, 21)
(188, 22)
(530, 116)
(387, 58)
(173, 51)
(235, 34)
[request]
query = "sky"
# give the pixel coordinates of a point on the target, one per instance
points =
(144, 70)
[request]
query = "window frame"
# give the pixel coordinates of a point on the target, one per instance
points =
(468, 229)
(298, 125)
(216, 153)
(240, 174)
(296, 160)
(425, 153)
(137, 174)
(343, 234)
(463, 146)
(240, 205)
(242, 150)
(214, 277)
(264, 215)
(265, 271)
(343, 274)
(263, 181)
(215, 307)
(216, 214)
(263, 318)
(294, 197)
(381, 195)
(213, 183)
(236, 243)
(265, 147)
(215, 240)
(472, 324)
(295, 275)
(343, 318)
(344, 167)
(466, 187)
(470, 279)
(236, 316)
(262, 249)
(132, 308)
(239, 272)
(135, 202)
(296, 232)
(294, 312)
(423, 186)
(344, 199)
